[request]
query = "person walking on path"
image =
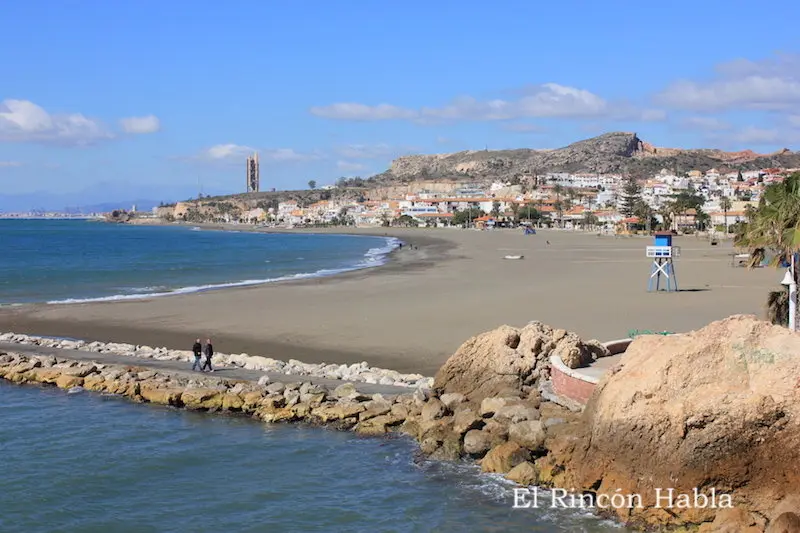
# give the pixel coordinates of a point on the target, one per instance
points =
(209, 351)
(197, 349)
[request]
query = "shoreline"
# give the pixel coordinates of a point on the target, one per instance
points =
(414, 311)
(385, 255)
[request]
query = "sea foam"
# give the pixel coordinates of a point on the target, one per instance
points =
(372, 258)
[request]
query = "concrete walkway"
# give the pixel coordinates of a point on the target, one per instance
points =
(598, 368)
(183, 368)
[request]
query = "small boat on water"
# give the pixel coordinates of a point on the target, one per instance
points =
(514, 257)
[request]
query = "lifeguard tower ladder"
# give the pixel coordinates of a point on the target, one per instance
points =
(662, 252)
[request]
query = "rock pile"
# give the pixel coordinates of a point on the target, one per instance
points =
(511, 361)
(343, 406)
(447, 426)
(357, 372)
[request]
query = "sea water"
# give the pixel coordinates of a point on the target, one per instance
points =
(68, 261)
(98, 464)
(93, 463)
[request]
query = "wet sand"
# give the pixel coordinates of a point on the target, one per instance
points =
(412, 313)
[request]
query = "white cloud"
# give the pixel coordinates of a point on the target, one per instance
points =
(549, 100)
(647, 115)
(756, 136)
(365, 151)
(373, 151)
(794, 120)
(770, 85)
(706, 123)
(523, 128)
(10, 164)
(349, 166)
(147, 124)
(24, 121)
(227, 151)
(753, 136)
(363, 112)
(287, 155)
(231, 152)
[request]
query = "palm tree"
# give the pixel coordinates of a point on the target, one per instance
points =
(774, 227)
(559, 207)
(558, 189)
(725, 205)
(644, 213)
(667, 212)
(775, 224)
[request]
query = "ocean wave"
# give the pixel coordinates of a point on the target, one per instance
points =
(147, 290)
(372, 258)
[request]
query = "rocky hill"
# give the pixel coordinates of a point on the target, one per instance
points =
(608, 153)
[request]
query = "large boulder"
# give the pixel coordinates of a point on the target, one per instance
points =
(477, 442)
(503, 457)
(528, 434)
(717, 408)
(507, 361)
(524, 473)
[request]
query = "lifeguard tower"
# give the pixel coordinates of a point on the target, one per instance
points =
(662, 252)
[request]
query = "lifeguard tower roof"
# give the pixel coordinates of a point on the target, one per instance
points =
(662, 238)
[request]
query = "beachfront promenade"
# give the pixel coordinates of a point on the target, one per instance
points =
(414, 312)
(181, 368)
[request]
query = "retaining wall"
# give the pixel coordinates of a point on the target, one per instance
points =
(573, 385)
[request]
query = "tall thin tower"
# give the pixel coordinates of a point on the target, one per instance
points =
(253, 175)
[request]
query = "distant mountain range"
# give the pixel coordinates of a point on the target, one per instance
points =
(99, 198)
(22, 203)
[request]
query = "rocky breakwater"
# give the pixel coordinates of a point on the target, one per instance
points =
(343, 407)
(485, 405)
(710, 413)
(356, 372)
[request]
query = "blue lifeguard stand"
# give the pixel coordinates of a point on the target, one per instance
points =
(662, 252)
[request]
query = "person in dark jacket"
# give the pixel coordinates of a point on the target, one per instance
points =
(209, 351)
(197, 349)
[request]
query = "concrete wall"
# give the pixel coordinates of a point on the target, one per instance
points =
(573, 385)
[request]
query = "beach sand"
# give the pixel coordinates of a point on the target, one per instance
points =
(414, 312)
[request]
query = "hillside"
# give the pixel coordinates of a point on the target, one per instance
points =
(608, 153)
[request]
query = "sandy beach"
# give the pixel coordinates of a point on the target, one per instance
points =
(415, 311)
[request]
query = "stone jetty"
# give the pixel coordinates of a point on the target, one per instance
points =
(356, 372)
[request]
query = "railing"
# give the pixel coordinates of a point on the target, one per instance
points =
(636, 332)
(663, 251)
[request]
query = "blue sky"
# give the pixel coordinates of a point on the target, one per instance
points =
(119, 100)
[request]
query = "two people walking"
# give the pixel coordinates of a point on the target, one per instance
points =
(198, 349)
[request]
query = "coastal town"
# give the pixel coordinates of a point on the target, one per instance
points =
(370, 268)
(712, 201)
